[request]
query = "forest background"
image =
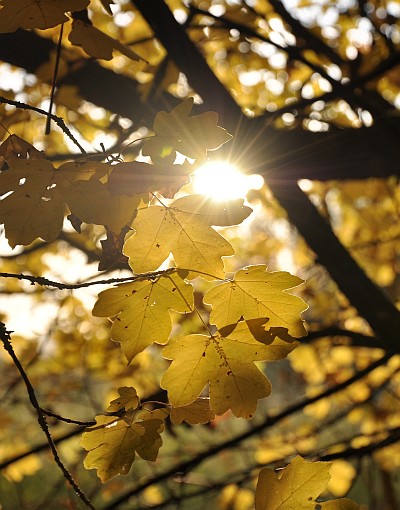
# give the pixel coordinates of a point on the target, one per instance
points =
(305, 94)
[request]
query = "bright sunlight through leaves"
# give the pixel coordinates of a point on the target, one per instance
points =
(221, 180)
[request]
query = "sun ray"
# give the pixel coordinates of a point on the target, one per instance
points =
(221, 180)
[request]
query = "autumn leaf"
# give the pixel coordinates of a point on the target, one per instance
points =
(226, 364)
(96, 43)
(40, 14)
(221, 213)
(113, 443)
(139, 177)
(10, 119)
(88, 197)
(198, 412)
(111, 249)
(37, 193)
(143, 310)
(184, 229)
(178, 131)
(35, 207)
(15, 147)
(255, 293)
(127, 400)
(297, 486)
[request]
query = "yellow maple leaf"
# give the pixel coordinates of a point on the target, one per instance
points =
(297, 486)
(86, 192)
(113, 442)
(184, 229)
(198, 412)
(35, 206)
(41, 14)
(138, 177)
(226, 364)
(255, 293)
(178, 131)
(127, 400)
(143, 310)
(96, 43)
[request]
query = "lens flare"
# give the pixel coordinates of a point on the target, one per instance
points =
(220, 181)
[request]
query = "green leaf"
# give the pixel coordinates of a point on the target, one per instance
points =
(184, 229)
(227, 364)
(143, 310)
(255, 293)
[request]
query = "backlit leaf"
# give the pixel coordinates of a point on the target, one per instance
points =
(226, 364)
(15, 147)
(113, 442)
(139, 177)
(88, 197)
(35, 208)
(96, 43)
(297, 486)
(40, 14)
(143, 310)
(255, 293)
(127, 400)
(184, 230)
(198, 412)
(221, 213)
(340, 504)
(191, 136)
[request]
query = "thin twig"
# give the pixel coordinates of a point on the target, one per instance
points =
(270, 421)
(58, 120)
(67, 420)
(6, 339)
(40, 280)
(54, 80)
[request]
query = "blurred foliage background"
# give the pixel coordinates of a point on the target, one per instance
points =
(311, 92)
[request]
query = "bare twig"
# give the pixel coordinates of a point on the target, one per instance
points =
(6, 339)
(58, 120)
(270, 421)
(54, 80)
(40, 280)
(67, 420)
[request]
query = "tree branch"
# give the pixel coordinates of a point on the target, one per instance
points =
(6, 339)
(58, 120)
(270, 421)
(370, 301)
(292, 155)
(40, 280)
